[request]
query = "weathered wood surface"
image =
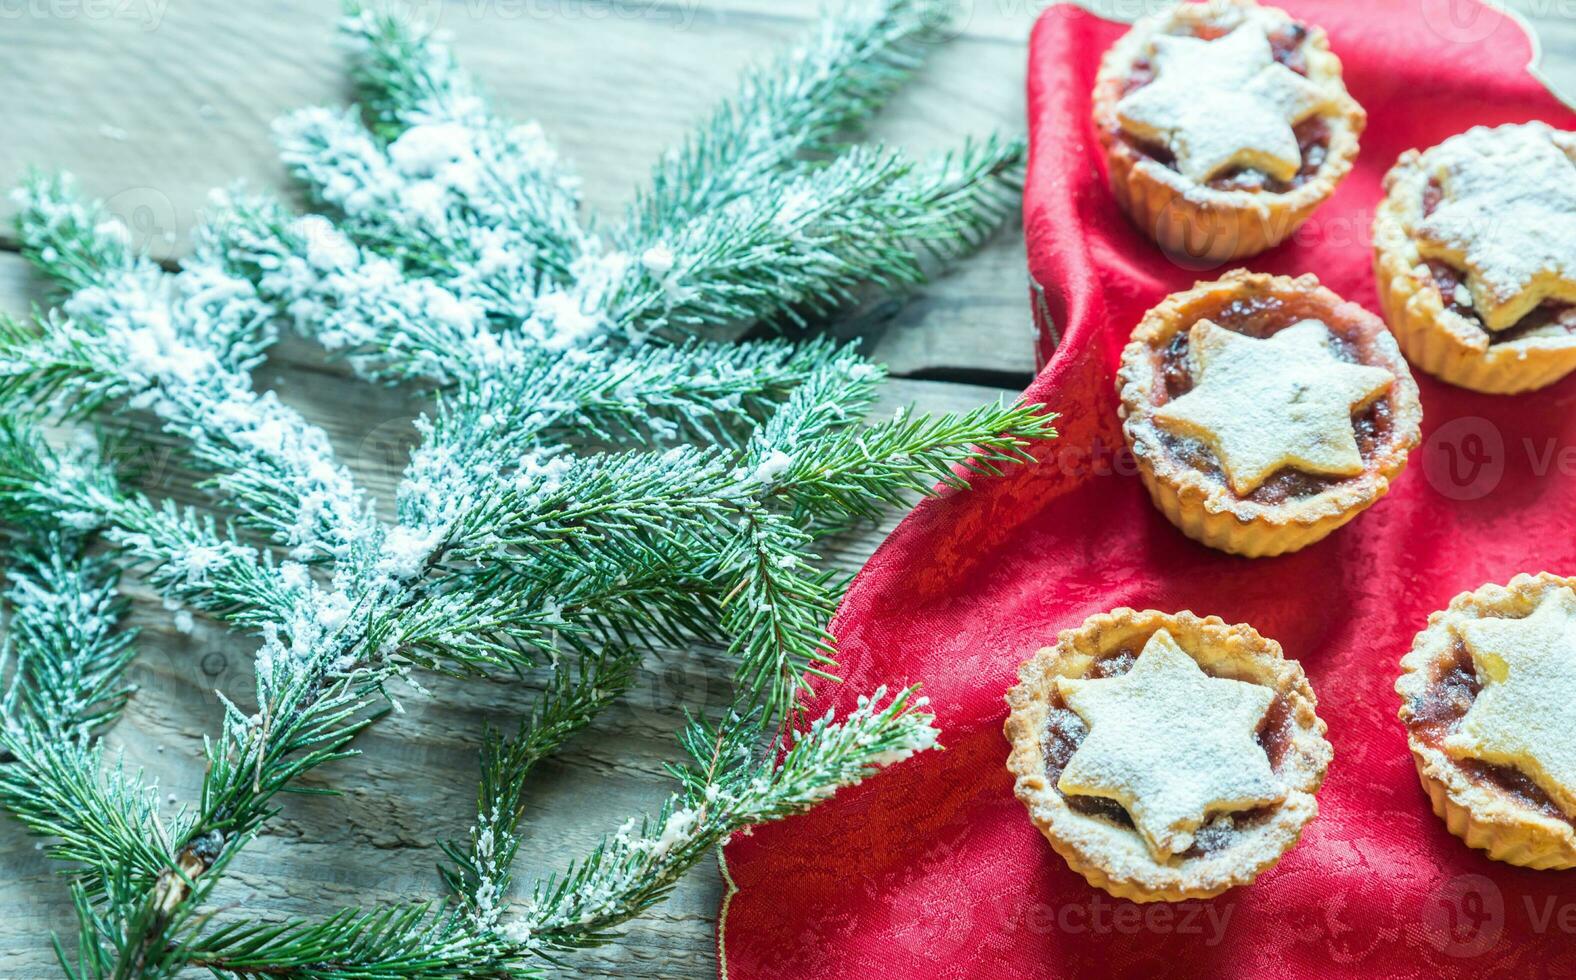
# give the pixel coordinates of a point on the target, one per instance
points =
(152, 104)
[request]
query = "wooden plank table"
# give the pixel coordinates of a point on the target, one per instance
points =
(152, 103)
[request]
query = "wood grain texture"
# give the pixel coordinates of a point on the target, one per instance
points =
(154, 102)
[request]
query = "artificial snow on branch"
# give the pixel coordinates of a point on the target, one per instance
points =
(601, 471)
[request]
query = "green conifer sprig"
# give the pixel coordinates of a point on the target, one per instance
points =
(724, 788)
(597, 475)
(787, 116)
(67, 656)
(76, 492)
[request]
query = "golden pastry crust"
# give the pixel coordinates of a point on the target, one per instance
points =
(1434, 336)
(1202, 223)
(1114, 857)
(1202, 505)
(1488, 816)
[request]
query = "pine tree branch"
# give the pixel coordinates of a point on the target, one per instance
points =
(87, 251)
(176, 359)
(868, 217)
(834, 398)
(857, 471)
(480, 874)
(412, 204)
(55, 364)
(315, 691)
(695, 391)
(68, 655)
(319, 677)
(402, 74)
(631, 511)
(625, 506)
(724, 790)
(649, 396)
(399, 328)
(311, 713)
(403, 942)
(807, 102)
(735, 190)
(358, 303)
(821, 233)
(963, 196)
(179, 553)
(502, 179)
(470, 633)
(454, 186)
(776, 614)
(115, 928)
(102, 820)
(672, 599)
(74, 243)
(459, 260)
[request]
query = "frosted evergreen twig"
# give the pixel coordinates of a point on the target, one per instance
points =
(867, 217)
(441, 183)
(724, 789)
(67, 656)
(803, 105)
(181, 553)
(177, 346)
(595, 477)
(479, 873)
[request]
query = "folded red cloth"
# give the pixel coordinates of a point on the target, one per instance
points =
(933, 869)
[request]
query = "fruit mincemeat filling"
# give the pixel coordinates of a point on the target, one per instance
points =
(1447, 279)
(1263, 316)
(1065, 731)
(1313, 134)
(1452, 687)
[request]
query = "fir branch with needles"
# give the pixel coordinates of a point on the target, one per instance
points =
(181, 553)
(600, 471)
(787, 116)
(480, 875)
(725, 788)
(67, 657)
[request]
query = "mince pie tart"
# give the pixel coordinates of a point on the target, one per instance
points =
(1264, 412)
(1166, 757)
(1475, 257)
(1488, 696)
(1225, 124)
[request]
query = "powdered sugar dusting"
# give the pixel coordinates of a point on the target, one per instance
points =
(1283, 401)
(1222, 103)
(1172, 744)
(1526, 709)
(1507, 216)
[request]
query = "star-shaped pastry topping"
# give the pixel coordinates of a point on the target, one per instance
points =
(1170, 743)
(1507, 217)
(1223, 103)
(1525, 713)
(1266, 404)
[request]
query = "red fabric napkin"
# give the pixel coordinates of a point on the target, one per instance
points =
(933, 869)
